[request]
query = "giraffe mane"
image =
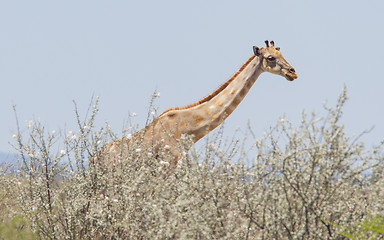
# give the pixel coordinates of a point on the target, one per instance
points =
(216, 92)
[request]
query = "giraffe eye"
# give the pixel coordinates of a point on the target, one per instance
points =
(271, 59)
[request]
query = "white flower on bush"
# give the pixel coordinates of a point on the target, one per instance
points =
(282, 120)
(138, 150)
(30, 123)
(164, 163)
(70, 133)
(62, 152)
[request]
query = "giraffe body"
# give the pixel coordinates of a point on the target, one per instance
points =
(201, 117)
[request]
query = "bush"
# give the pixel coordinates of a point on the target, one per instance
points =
(371, 228)
(301, 183)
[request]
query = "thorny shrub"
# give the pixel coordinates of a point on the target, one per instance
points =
(301, 183)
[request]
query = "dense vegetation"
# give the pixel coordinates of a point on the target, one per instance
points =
(310, 181)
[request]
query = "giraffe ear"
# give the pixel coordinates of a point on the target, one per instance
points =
(256, 50)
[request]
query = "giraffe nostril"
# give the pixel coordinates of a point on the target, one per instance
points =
(292, 70)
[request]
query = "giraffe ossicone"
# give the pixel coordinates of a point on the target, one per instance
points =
(201, 117)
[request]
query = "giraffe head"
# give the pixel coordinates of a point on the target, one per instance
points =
(273, 61)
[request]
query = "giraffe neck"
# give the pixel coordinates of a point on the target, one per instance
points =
(217, 109)
(201, 117)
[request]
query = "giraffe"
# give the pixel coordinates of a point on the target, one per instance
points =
(201, 117)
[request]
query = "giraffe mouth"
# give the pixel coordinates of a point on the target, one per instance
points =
(291, 76)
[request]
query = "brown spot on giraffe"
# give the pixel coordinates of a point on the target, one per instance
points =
(207, 111)
(171, 115)
(198, 119)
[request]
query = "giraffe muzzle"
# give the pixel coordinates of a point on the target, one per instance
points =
(290, 76)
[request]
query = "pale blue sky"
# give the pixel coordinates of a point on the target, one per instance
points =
(54, 51)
